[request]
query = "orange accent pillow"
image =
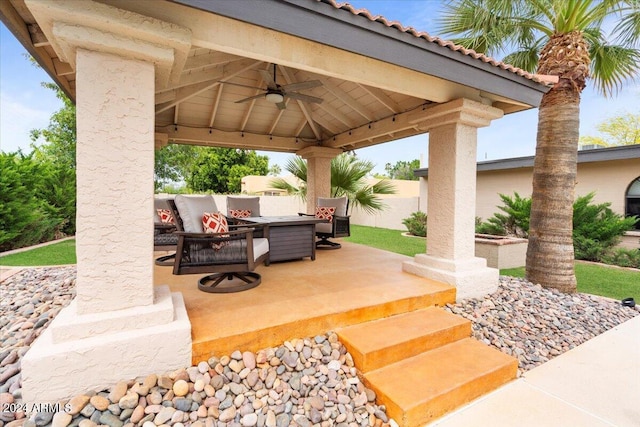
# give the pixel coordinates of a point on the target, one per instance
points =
(165, 216)
(240, 213)
(215, 223)
(325, 212)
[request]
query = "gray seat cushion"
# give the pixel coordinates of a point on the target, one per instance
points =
(243, 203)
(340, 203)
(191, 208)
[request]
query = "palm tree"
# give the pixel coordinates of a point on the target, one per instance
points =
(563, 38)
(347, 179)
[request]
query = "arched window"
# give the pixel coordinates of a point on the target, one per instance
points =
(633, 200)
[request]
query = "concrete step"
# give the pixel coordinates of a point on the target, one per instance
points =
(421, 388)
(382, 342)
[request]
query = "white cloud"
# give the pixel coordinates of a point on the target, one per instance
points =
(17, 119)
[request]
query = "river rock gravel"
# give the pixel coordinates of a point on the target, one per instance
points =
(303, 382)
(535, 324)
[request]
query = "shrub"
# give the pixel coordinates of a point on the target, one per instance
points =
(416, 224)
(596, 228)
(25, 217)
(514, 221)
(623, 257)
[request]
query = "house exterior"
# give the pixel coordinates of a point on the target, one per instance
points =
(146, 73)
(613, 174)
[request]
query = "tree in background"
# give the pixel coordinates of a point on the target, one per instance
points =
(619, 130)
(563, 38)
(403, 170)
(221, 170)
(26, 218)
(173, 164)
(348, 175)
(56, 159)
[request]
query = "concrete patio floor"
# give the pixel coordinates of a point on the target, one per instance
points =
(303, 298)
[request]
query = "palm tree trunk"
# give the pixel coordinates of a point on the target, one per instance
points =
(550, 255)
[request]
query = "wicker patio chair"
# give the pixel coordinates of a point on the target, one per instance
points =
(231, 254)
(334, 209)
(164, 238)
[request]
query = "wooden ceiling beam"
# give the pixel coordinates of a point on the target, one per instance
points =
(210, 59)
(347, 99)
(244, 140)
(382, 98)
(305, 111)
(261, 83)
(214, 74)
(216, 105)
(228, 72)
(185, 93)
(337, 116)
(383, 128)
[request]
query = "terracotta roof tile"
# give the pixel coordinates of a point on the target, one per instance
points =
(441, 42)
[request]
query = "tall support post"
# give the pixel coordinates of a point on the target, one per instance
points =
(318, 173)
(119, 326)
(450, 255)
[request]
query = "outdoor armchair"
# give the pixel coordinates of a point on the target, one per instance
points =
(334, 210)
(164, 238)
(242, 206)
(227, 251)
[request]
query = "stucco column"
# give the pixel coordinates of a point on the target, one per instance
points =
(450, 256)
(318, 173)
(115, 155)
(120, 326)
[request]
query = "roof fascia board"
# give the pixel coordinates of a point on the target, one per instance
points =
(322, 23)
(627, 152)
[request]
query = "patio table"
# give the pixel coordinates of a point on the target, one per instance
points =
(290, 237)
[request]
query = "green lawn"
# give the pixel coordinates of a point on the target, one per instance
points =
(599, 279)
(389, 240)
(54, 254)
(592, 279)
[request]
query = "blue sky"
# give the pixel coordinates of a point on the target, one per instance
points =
(25, 104)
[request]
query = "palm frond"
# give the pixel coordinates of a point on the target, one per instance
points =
(612, 66)
(526, 59)
(297, 167)
(384, 186)
(493, 26)
(627, 31)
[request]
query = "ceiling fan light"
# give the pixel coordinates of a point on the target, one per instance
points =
(274, 97)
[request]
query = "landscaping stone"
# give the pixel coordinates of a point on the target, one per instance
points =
(305, 381)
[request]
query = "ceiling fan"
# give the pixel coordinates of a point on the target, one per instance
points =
(276, 93)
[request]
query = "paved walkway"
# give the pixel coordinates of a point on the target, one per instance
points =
(594, 384)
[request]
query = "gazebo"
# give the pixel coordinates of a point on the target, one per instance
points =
(310, 77)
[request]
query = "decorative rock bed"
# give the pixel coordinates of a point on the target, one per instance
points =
(305, 382)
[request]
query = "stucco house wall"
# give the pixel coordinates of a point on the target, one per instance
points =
(608, 178)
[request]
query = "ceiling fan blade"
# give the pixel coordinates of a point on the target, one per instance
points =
(268, 79)
(302, 85)
(250, 98)
(281, 105)
(305, 98)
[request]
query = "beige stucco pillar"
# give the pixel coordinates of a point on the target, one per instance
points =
(318, 173)
(450, 256)
(119, 326)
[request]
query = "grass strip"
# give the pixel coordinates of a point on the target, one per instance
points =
(599, 279)
(55, 254)
(386, 239)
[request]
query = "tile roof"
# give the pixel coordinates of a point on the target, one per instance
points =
(546, 80)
